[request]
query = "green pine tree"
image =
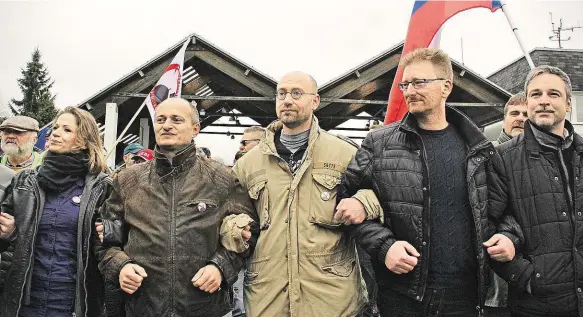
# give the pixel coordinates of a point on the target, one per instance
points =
(37, 102)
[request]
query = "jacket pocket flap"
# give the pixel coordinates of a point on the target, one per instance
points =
(341, 268)
(256, 188)
(327, 181)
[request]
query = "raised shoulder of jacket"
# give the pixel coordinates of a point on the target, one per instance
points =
(218, 172)
(383, 132)
(347, 140)
(508, 145)
(129, 175)
(25, 174)
(108, 180)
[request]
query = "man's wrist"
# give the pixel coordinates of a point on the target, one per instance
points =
(12, 236)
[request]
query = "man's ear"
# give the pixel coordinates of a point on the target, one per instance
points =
(447, 88)
(195, 129)
(316, 102)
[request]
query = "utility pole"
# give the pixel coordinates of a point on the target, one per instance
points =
(557, 32)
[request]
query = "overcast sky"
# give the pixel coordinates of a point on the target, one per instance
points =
(89, 44)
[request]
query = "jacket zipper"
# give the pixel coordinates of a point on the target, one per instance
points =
(172, 242)
(30, 259)
(567, 187)
(91, 209)
(426, 248)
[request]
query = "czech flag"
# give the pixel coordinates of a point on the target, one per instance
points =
(426, 20)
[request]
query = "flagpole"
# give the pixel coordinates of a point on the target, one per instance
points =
(179, 61)
(125, 130)
(516, 34)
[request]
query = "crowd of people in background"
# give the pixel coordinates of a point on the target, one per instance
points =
(426, 218)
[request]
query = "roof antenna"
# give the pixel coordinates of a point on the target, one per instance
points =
(557, 32)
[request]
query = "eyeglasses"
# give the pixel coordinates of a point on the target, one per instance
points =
(417, 83)
(245, 142)
(295, 94)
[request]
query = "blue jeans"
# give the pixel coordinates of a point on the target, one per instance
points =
(437, 302)
(238, 302)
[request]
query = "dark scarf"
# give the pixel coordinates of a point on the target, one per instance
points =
(59, 171)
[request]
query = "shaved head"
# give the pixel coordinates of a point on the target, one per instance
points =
(179, 102)
(297, 98)
(312, 84)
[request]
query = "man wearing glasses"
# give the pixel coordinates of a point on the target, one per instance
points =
(251, 137)
(301, 261)
(431, 172)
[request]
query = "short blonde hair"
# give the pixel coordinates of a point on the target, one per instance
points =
(437, 57)
(88, 138)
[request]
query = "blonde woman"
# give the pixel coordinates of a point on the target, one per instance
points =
(48, 217)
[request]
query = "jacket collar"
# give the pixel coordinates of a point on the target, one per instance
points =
(472, 135)
(184, 159)
(535, 137)
(503, 137)
(267, 144)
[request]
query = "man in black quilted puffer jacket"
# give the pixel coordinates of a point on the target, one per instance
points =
(545, 195)
(431, 174)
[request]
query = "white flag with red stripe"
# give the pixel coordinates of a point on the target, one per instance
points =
(170, 83)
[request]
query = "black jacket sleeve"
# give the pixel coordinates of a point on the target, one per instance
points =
(500, 212)
(372, 236)
(114, 233)
(7, 206)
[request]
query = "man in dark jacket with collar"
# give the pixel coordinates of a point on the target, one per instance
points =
(514, 117)
(170, 261)
(431, 173)
(542, 169)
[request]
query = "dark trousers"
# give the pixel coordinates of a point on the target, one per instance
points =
(496, 312)
(518, 314)
(436, 302)
(368, 275)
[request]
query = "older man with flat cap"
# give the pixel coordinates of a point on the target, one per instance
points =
(19, 134)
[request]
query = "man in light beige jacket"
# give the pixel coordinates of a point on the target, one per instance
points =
(302, 262)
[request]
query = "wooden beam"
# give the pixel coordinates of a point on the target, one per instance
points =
(240, 133)
(476, 89)
(362, 92)
(275, 117)
(192, 87)
(235, 72)
(271, 99)
(366, 76)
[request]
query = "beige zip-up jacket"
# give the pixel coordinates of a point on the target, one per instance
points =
(303, 264)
